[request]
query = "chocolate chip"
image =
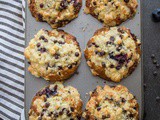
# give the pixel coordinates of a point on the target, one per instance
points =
(118, 67)
(108, 42)
(60, 42)
(152, 56)
(55, 41)
(111, 66)
(60, 113)
(72, 109)
(121, 36)
(155, 73)
(68, 113)
(55, 115)
(60, 67)
(154, 61)
(40, 17)
(120, 30)
(42, 50)
(99, 108)
(157, 65)
(55, 87)
(69, 66)
(63, 5)
(42, 37)
(38, 44)
(94, 3)
(104, 116)
(47, 95)
(112, 38)
(123, 100)
(79, 117)
(103, 64)
(126, 1)
(102, 53)
(47, 105)
(158, 99)
(56, 56)
(95, 45)
(29, 63)
(41, 5)
(76, 54)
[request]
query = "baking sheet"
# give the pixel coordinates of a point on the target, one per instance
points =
(83, 29)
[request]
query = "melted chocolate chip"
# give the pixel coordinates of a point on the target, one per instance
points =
(38, 44)
(41, 5)
(76, 54)
(43, 38)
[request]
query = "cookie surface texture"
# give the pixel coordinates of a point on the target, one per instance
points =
(54, 55)
(113, 53)
(57, 13)
(56, 102)
(111, 12)
(111, 103)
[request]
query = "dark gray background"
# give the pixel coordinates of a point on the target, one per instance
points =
(151, 45)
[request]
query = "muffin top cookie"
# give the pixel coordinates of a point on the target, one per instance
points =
(113, 53)
(53, 55)
(111, 12)
(111, 103)
(56, 12)
(56, 102)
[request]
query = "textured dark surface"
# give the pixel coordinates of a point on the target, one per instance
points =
(151, 45)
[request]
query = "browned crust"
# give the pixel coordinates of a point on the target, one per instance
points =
(65, 73)
(39, 17)
(100, 70)
(118, 20)
(95, 94)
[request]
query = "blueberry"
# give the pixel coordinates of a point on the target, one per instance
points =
(156, 15)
